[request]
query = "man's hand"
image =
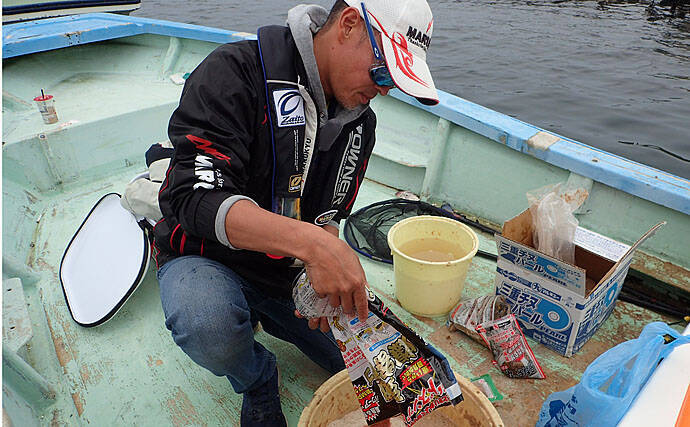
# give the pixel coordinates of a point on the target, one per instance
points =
(336, 273)
(321, 322)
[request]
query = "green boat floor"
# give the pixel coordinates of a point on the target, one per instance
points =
(129, 371)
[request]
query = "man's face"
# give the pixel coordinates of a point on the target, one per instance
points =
(350, 81)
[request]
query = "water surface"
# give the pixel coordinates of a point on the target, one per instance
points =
(602, 74)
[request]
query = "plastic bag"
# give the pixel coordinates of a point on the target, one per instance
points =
(467, 315)
(610, 383)
(553, 222)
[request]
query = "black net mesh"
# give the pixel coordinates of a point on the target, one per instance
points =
(366, 230)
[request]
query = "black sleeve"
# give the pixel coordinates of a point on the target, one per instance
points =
(211, 131)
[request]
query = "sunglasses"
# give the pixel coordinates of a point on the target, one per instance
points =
(378, 72)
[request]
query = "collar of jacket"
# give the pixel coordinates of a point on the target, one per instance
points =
(304, 21)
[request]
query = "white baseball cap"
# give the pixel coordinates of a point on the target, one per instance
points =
(405, 27)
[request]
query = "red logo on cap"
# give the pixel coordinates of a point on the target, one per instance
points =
(404, 59)
(428, 27)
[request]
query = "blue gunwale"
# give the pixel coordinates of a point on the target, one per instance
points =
(29, 37)
(618, 172)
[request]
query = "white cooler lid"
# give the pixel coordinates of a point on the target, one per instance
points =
(104, 262)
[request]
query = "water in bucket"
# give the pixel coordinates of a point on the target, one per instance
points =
(432, 250)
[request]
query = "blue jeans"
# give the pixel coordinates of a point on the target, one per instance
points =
(210, 311)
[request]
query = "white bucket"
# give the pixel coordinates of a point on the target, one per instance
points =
(431, 256)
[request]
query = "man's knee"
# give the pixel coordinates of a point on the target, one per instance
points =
(215, 339)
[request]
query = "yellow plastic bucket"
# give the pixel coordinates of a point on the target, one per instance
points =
(336, 398)
(431, 256)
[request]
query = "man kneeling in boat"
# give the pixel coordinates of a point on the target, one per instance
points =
(272, 139)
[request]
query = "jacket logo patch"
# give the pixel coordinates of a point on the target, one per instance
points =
(325, 217)
(295, 183)
(289, 107)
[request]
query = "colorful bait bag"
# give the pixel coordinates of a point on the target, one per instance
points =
(512, 354)
(392, 369)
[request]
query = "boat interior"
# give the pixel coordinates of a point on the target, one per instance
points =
(114, 99)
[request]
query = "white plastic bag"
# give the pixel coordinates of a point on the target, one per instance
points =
(553, 222)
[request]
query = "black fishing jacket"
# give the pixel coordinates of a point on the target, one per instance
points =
(247, 125)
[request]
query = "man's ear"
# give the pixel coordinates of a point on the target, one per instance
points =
(347, 24)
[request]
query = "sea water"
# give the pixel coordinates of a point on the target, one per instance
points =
(599, 72)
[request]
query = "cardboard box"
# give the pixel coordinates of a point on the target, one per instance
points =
(558, 304)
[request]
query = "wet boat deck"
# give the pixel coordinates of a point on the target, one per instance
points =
(129, 371)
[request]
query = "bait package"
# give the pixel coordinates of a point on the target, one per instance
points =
(488, 320)
(469, 314)
(392, 369)
(512, 354)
